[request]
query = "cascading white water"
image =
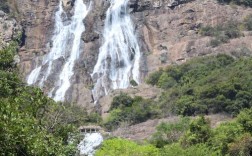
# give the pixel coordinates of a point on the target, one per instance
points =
(66, 45)
(119, 56)
(90, 142)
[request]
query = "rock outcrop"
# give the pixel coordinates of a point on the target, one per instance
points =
(168, 32)
(10, 30)
(171, 34)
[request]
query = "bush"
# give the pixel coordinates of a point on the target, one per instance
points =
(222, 34)
(215, 42)
(196, 150)
(223, 135)
(167, 133)
(248, 22)
(241, 146)
(165, 81)
(121, 101)
(245, 120)
(133, 83)
(208, 31)
(154, 77)
(130, 110)
(123, 147)
(199, 132)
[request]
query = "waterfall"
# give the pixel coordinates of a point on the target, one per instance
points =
(119, 56)
(65, 49)
(90, 143)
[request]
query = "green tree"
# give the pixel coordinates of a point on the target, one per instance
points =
(223, 135)
(199, 132)
(245, 120)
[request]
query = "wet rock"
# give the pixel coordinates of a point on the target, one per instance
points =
(90, 37)
(68, 4)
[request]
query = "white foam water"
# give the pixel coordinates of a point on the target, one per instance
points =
(119, 56)
(90, 142)
(66, 45)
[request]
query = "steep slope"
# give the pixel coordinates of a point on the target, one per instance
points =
(167, 32)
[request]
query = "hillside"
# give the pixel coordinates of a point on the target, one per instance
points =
(159, 77)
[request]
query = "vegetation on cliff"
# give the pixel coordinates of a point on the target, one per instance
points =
(227, 31)
(125, 109)
(238, 2)
(205, 85)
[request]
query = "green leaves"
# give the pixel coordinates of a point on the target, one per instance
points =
(123, 147)
(199, 132)
(245, 119)
(130, 110)
(6, 56)
(24, 116)
(205, 85)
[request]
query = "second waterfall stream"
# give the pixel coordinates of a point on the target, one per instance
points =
(119, 56)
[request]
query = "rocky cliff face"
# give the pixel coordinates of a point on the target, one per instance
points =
(170, 29)
(10, 29)
(168, 32)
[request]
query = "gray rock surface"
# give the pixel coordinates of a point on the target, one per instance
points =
(167, 30)
(10, 29)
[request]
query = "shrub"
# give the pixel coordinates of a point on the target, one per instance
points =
(167, 133)
(154, 77)
(208, 31)
(241, 146)
(133, 83)
(223, 135)
(120, 101)
(215, 42)
(245, 120)
(130, 110)
(123, 147)
(222, 34)
(165, 81)
(199, 132)
(196, 150)
(248, 22)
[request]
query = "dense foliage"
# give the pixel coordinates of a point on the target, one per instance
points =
(30, 122)
(123, 147)
(205, 85)
(125, 109)
(192, 138)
